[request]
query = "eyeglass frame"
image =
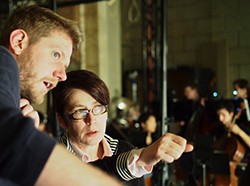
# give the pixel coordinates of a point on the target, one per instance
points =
(70, 116)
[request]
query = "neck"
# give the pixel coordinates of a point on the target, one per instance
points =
(149, 133)
(92, 151)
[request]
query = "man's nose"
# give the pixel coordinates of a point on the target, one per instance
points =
(60, 74)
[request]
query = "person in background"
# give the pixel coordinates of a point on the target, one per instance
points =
(241, 92)
(228, 115)
(191, 92)
(81, 103)
(144, 134)
(242, 88)
(36, 46)
(192, 109)
(122, 116)
(145, 128)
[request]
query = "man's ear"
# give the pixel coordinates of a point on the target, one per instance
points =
(18, 41)
(61, 121)
(231, 114)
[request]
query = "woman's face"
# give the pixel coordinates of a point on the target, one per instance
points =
(88, 131)
(150, 124)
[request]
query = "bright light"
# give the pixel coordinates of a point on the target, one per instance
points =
(235, 92)
(215, 94)
(121, 106)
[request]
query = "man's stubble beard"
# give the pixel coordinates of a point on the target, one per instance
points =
(28, 89)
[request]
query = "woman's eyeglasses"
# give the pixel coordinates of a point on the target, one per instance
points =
(83, 113)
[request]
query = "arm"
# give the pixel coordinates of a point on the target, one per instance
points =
(238, 131)
(68, 170)
(137, 162)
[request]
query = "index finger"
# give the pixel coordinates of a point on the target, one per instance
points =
(24, 102)
(189, 148)
(178, 139)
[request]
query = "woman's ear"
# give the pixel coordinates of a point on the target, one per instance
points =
(18, 41)
(61, 121)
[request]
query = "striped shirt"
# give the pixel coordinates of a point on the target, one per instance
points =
(125, 164)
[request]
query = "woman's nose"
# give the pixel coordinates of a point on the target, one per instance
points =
(90, 119)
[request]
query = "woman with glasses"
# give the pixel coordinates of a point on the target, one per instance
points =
(81, 103)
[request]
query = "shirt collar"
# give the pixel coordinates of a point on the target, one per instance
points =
(84, 156)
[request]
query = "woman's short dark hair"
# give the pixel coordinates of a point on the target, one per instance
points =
(83, 80)
(144, 117)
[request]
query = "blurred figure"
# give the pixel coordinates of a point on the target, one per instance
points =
(227, 116)
(133, 114)
(242, 88)
(192, 108)
(192, 93)
(123, 115)
(236, 138)
(241, 93)
(144, 135)
(144, 130)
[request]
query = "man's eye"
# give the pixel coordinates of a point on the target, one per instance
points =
(56, 55)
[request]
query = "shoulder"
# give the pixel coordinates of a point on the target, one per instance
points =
(118, 146)
(9, 77)
(113, 143)
(125, 146)
(63, 139)
(7, 59)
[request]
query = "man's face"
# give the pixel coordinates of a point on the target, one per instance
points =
(241, 92)
(42, 65)
(191, 93)
(224, 116)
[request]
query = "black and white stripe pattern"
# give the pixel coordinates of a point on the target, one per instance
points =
(121, 162)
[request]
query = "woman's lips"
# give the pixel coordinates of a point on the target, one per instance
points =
(91, 133)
